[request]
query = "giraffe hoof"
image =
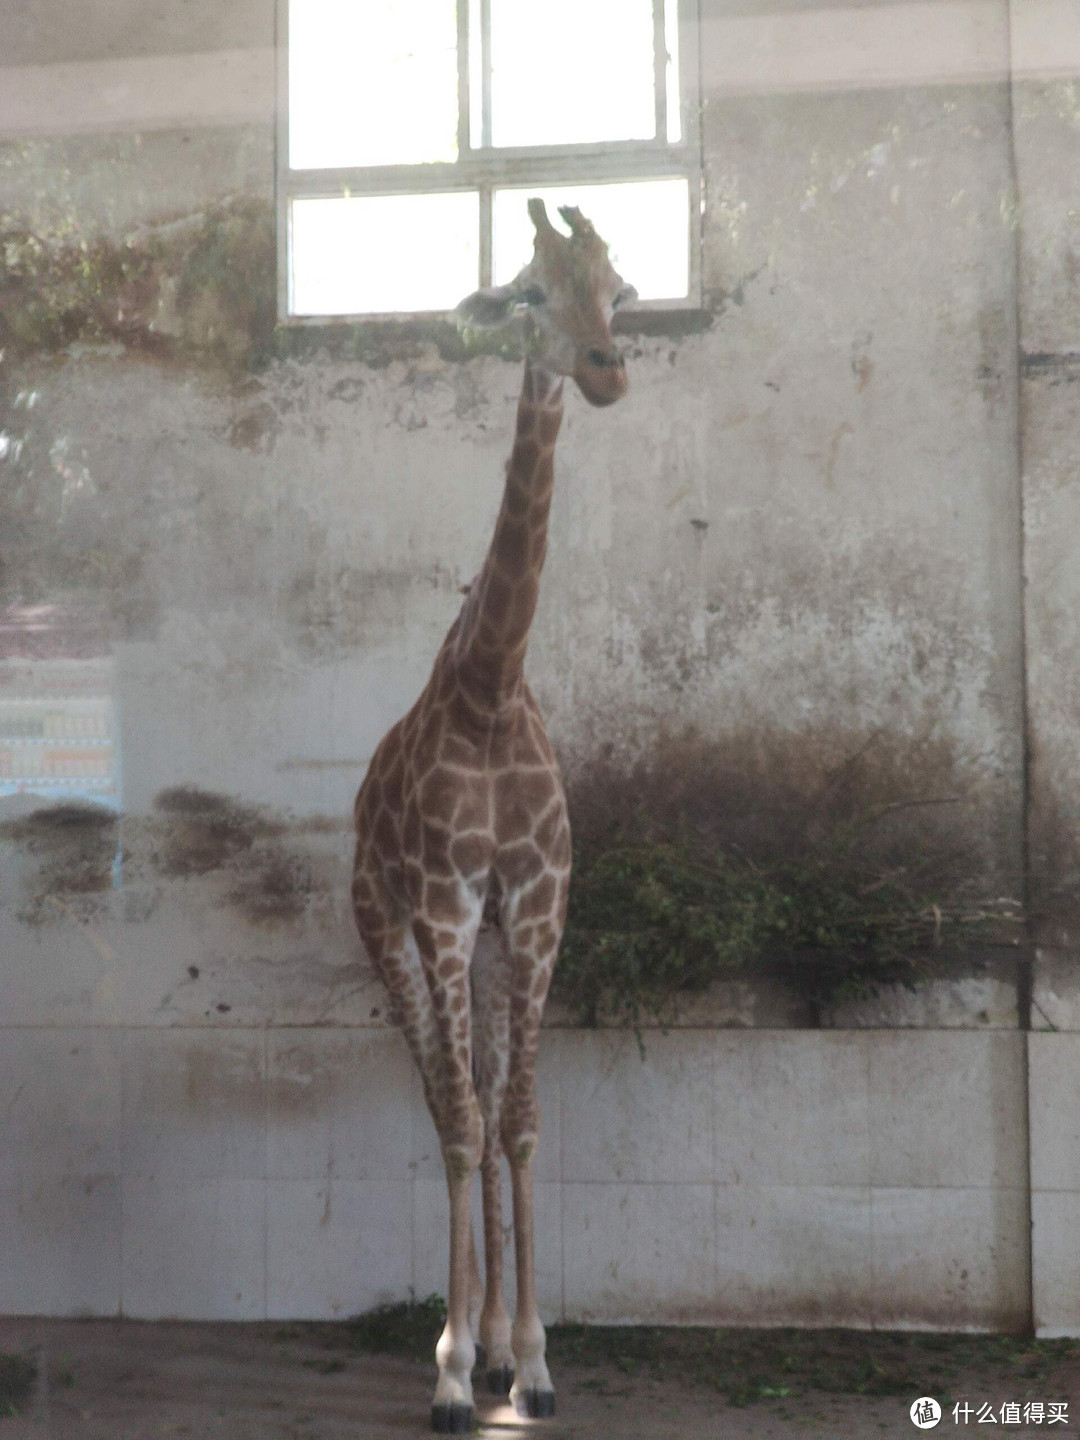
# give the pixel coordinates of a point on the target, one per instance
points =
(536, 1404)
(450, 1419)
(499, 1381)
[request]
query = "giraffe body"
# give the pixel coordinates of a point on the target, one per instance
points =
(462, 813)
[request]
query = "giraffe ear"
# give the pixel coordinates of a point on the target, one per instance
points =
(489, 308)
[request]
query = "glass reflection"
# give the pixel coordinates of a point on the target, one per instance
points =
(59, 737)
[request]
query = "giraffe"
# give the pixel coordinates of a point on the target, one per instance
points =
(462, 817)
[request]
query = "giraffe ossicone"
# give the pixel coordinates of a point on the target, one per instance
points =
(462, 815)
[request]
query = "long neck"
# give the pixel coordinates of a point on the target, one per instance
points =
(493, 630)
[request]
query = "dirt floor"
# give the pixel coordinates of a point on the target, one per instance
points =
(124, 1380)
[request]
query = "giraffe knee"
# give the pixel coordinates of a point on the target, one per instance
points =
(520, 1146)
(463, 1143)
(461, 1161)
(520, 1127)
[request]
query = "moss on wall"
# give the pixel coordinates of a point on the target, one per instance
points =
(202, 286)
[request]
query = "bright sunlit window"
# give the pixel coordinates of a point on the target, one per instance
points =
(412, 136)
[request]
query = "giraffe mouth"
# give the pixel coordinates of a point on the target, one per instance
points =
(601, 385)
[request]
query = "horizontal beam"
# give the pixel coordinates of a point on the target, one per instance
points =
(581, 165)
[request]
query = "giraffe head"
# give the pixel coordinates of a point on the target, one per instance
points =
(567, 293)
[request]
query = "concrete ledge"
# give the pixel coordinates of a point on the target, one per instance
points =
(975, 990)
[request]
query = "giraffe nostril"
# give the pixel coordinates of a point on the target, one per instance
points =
(603, 358)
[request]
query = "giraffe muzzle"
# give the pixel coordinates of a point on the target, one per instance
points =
(601, 375)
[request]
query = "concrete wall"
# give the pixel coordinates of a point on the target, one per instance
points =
(1046, 128)
(797, 542)
(771, 1177)
(817, 564)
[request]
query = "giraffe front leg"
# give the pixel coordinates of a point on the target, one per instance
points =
(494, 1318)
(532, 1393)
(445, 953)
(455, 1353)
(491, 1037)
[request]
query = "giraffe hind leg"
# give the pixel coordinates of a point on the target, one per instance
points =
(445, 942)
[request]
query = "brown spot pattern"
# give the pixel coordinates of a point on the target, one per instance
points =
(462, 796)
(464, 804)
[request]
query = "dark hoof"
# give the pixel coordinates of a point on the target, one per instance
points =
(536, 1404)
(480, 1363)
(499, 1381)
(447, 1419)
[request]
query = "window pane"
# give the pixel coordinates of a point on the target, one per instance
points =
(572, 71)
(372, 83)
(380, 254)
(644, 222)
(671, 71)
(476, 83)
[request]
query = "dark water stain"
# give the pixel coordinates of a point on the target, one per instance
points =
(269, 868)
(774, 797)
(1054, 862)
(201, 833)
(204, 831)
(74, 848)
(1057, 368)
(55, 825)
(254, 428)
(273, 888)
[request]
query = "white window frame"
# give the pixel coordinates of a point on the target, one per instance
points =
(488, 168)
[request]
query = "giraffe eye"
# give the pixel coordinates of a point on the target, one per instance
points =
(625, 296)
(532, 295)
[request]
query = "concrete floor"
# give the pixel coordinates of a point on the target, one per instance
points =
(123, 1380)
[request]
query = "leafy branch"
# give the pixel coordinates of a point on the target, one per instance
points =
(650, 920)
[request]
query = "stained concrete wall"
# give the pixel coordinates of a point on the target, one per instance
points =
(775, 1177)
(1046, 126)
(784, 585)
(797, 541)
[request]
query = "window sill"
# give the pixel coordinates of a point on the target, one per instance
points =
(378, 340)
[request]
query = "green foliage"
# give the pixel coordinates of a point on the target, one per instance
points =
(652, 919)
(17, 1376)
(408, 1328)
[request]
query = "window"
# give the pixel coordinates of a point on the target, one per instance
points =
(411, 135)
